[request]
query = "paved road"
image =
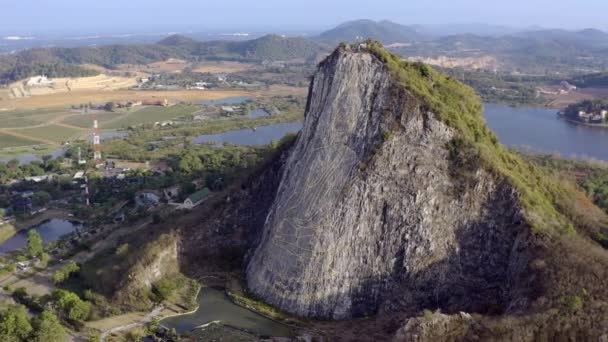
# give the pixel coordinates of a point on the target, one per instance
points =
(147, 319)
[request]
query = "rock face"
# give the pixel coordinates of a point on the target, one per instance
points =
(371, 214)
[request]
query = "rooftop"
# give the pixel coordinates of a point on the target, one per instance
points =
(199, 195)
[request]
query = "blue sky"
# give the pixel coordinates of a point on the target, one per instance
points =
(80, 16)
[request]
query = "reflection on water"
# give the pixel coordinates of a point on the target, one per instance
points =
(258, 113)
(215, 306)
(50, 231)
(262, 135)
(225, 101)
(27, 158)
(541, 131)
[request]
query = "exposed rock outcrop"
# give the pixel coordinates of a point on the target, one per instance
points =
(370, 213)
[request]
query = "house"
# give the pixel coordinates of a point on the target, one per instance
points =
(79, 175)
(228, 109)
(196, 198)
(27, 194)
(172, 192)
(23, 265)
(39, 81)
(38, 179)
(567, 86)
(146, 199)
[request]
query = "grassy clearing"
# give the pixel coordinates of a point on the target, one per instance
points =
(86, 120)
(7, 231)
(52, 132)
(7, 140)
(37, 149)
(150, 115)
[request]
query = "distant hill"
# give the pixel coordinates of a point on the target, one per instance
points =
(269, 47)
(61, 62)
(587, 37)
(384, 31)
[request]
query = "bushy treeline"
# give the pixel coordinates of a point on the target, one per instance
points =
(588, 106)
(21, 71)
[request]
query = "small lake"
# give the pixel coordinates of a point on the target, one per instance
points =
(50, 231)
(215, 306)
(540, 131)
(258, 113)
(225, 101)
(262, 135)
(27, 158)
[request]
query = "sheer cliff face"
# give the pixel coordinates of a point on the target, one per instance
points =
(370, 215)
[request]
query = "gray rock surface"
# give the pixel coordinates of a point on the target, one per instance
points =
(369, 215)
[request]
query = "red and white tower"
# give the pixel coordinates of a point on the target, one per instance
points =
(96, 142)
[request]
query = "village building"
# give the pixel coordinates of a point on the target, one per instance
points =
(172, 192)
(39, 81)
(38, 179)
(196, 198)
(146, 199)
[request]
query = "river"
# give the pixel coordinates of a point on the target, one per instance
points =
(215, 306)
(262, 135)
(50, 231)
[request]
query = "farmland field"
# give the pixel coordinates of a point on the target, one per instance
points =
(150, 115)
(85, 96)
(86, 120)
(54, 133)
(7, 140)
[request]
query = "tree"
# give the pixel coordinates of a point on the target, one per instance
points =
(109, 106)
(15, 324)
(41, 198)
(64, 272)
(71, 305)
(48, 328)
(34, 243)
(44, 260)
(190, 163)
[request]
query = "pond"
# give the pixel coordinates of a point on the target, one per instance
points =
(50, 230)
(225, 101)
(215, 306)
(258, 113)
(541, 131)
(27, 158)
(262, 135)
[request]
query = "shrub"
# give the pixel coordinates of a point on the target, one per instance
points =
(63, 273)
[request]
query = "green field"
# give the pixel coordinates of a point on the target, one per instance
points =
(150, 115)
(7, 140)
(51, 132)
(86, 120)
(25, 118)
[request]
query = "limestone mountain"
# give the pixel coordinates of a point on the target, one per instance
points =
(396, 197)
(397, 203)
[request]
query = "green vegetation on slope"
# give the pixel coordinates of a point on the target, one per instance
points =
(546, 204)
